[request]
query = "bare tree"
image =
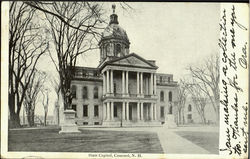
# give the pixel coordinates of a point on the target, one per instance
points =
(57, 88)
(45, 102)
(34, 88)
(75, 28)
(181, 100)
(199, 99)
(26, 46)
(207, 76)
(69, 42)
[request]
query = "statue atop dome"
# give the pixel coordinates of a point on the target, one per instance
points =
(113, 7)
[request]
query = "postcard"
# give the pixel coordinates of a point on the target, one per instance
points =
(89, 79)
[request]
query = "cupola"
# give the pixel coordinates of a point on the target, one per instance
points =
(114, 42)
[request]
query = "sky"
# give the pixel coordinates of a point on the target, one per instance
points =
(175, 35)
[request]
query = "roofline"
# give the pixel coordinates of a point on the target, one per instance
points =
(131, 54)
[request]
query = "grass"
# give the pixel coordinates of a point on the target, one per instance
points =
(207, 140)
(48, 140)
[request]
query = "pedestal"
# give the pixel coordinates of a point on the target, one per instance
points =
(69, 125)
(170, 123)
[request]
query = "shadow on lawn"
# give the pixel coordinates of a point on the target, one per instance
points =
(48, 140)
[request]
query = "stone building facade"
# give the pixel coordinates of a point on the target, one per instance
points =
(125, 89)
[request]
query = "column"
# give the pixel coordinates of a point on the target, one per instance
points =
(123, 111)
(111, 82)
(104, 83)
(112, 110)
(127, 110)
(123, 82)
(104, 116)
(138, 111)
(151, 112)
(141, 83)
(155, 84)
(141, 110)
(151, 84)
(108, 110)
(126, 82)
(108, 81)
(138, 84)
(155, 111)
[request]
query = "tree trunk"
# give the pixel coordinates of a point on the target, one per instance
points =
(183, 116)
(14, 117)
(179, 117)
(45, 118)
(14, 120)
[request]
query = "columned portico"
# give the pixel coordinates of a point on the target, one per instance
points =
(126, 92)
(112, 110)
(154, 84)
(123, 87)
(108, 111)
(108, 90)
(138, 111)
(138, 84)
(111, 82)
(141, 105)
(141, 82)
(127, 110)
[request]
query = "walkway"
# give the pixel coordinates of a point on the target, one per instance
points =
(170, 142)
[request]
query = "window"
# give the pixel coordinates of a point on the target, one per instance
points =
(85, 123)
(115, 111)
(190, 116)
(161, 79)
(170, 110)
(162, 112)
(96, 123)
(85, 110)
(162, 96)
(74, 108)
(170, 96)
(96, 111)
(96, 93)
(107, 49)
(84, 73)
(118, 50)
(168, 79)
(114, 88)
(189, 108)
(84, 92)
(73, 91)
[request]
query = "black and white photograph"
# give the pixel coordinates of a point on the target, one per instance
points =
(89, 79)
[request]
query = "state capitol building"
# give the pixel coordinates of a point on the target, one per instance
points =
(125, 89)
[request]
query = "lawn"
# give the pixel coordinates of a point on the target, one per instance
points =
(207, 140)
(48, 140)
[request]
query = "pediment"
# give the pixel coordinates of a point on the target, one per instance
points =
(133, 60)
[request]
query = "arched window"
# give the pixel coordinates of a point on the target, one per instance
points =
(107, 50)
(73, 91)
(84, 92)
(118, 50)
(189, 108)
(170, 96)
(170, 111)
(96, 93)
(162, 96)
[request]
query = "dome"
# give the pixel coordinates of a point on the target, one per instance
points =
(113, 30)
